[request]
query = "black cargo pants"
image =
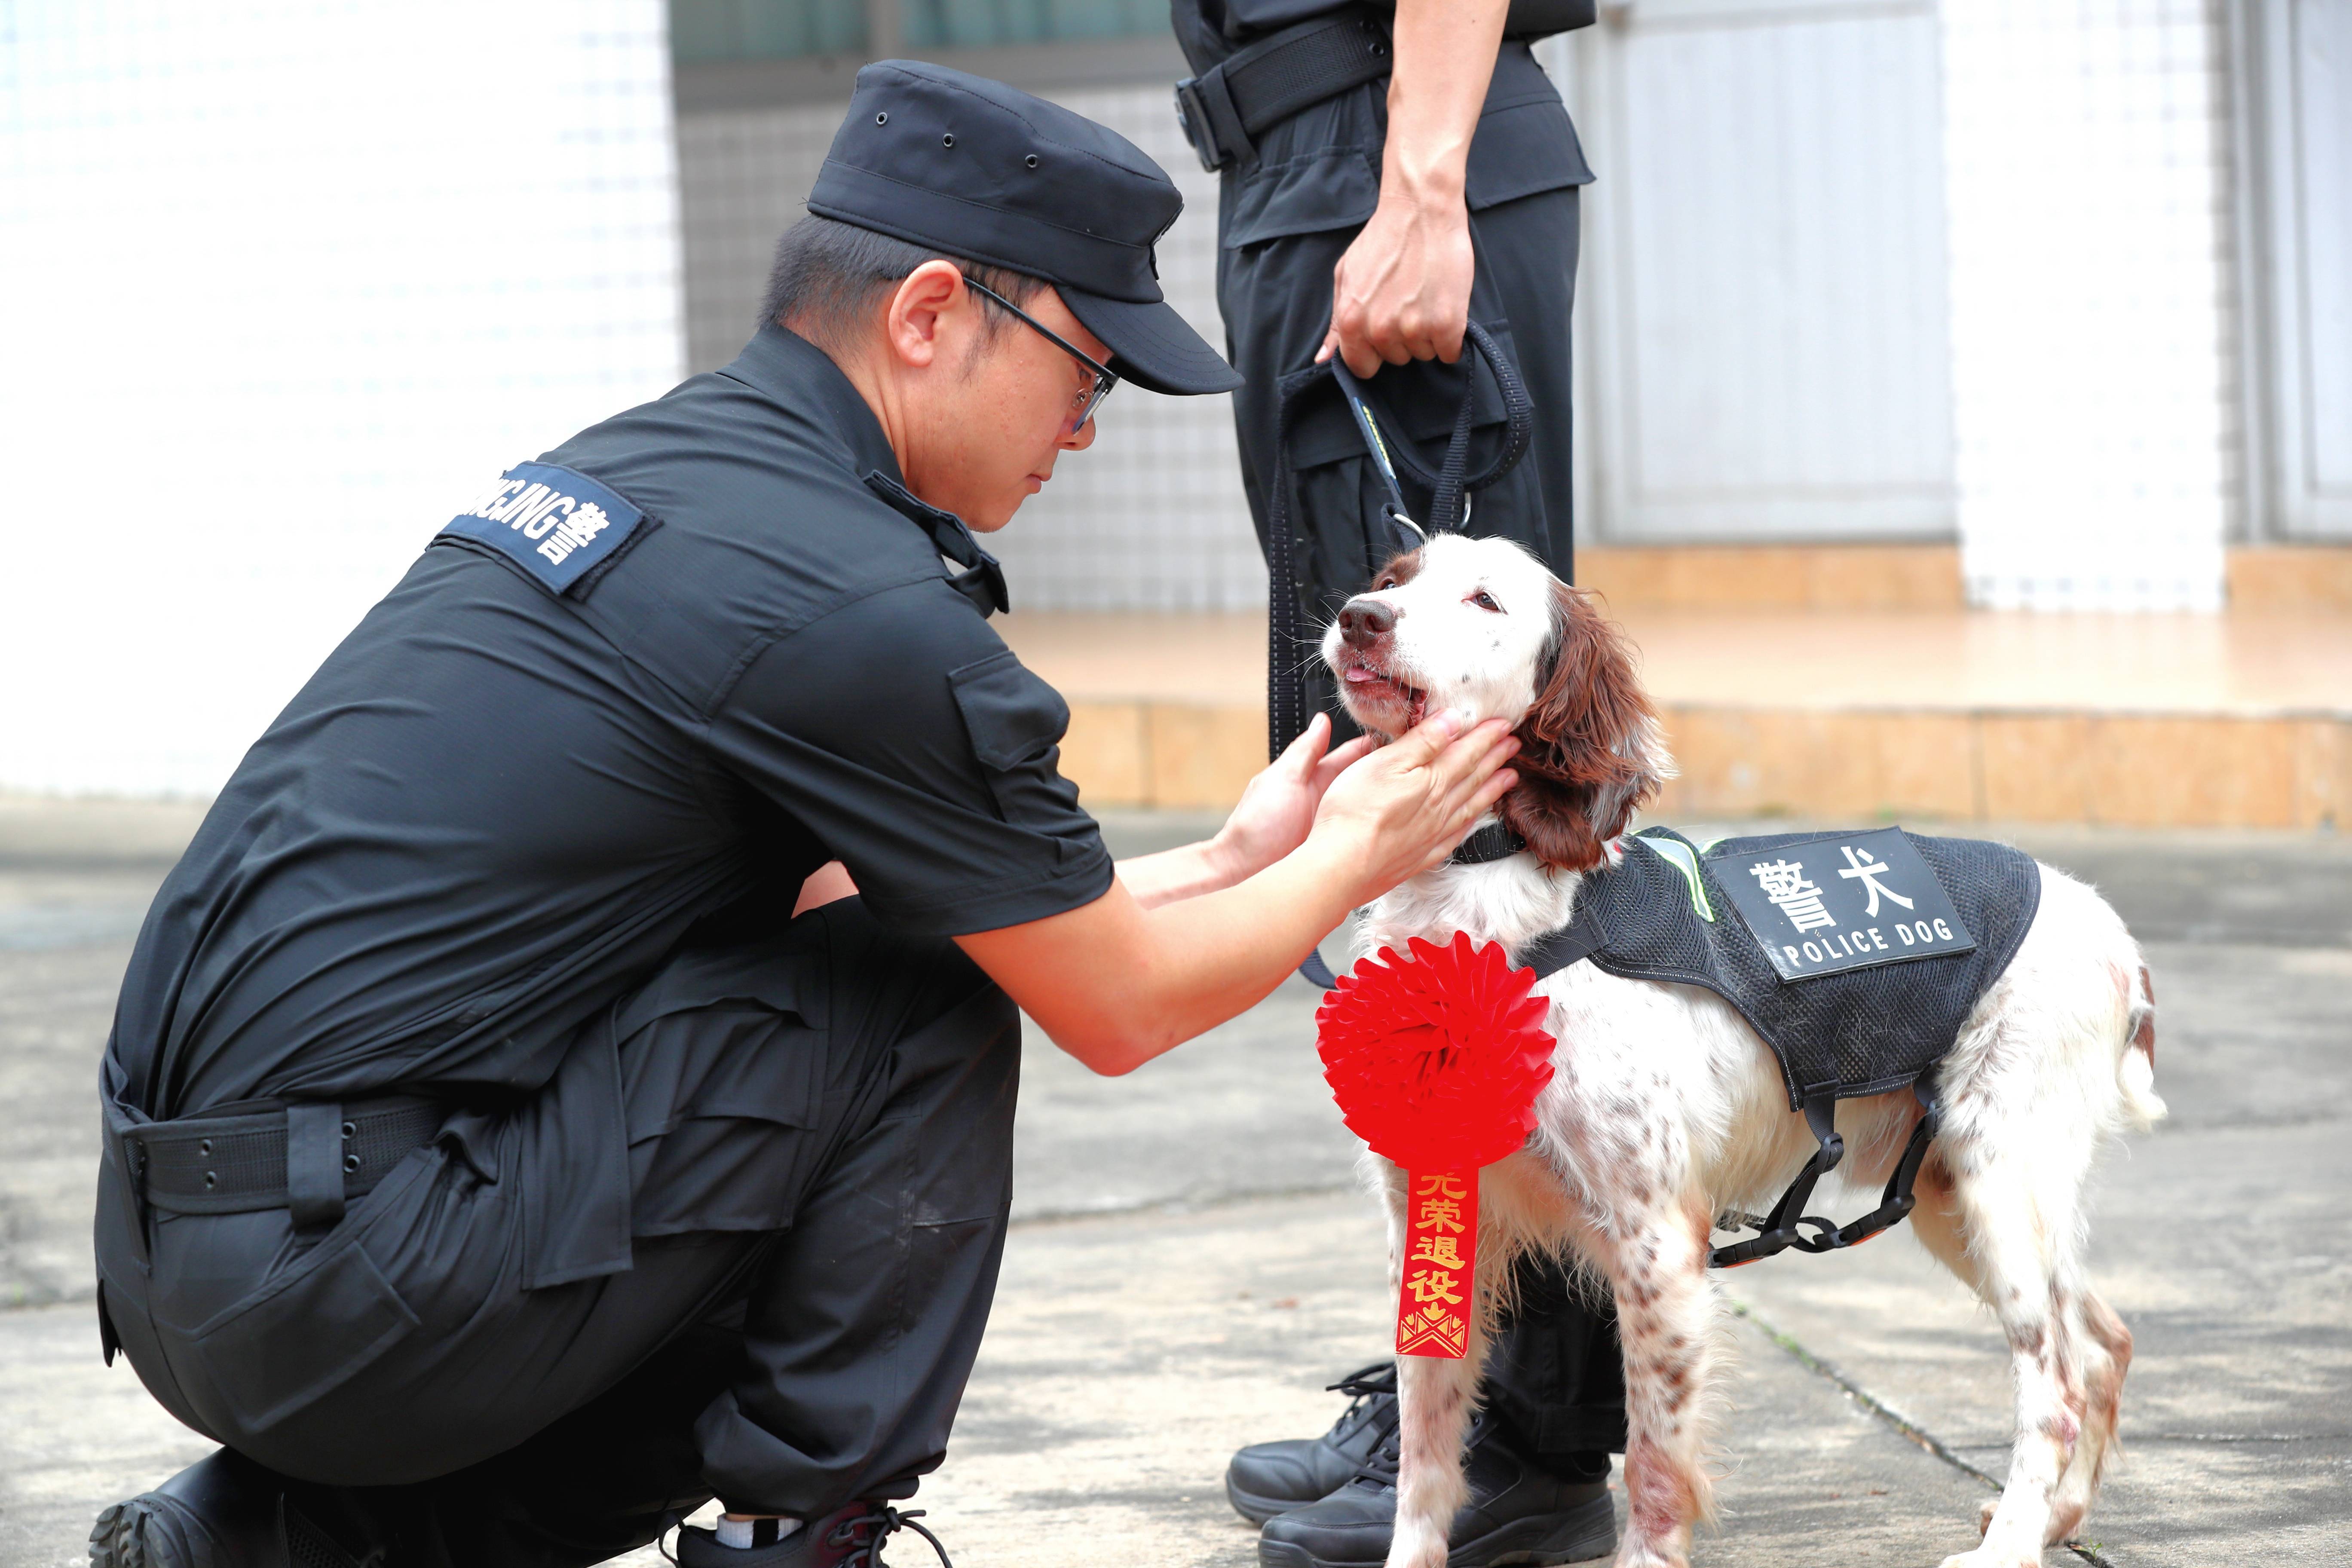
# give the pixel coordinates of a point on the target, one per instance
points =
(818, 1133)
(1556, 1374)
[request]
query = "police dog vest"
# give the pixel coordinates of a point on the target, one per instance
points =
(1857, 956)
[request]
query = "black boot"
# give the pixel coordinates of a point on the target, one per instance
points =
(850, 1538)
(1517, 1513)
(222, 1512)
(1268, 1479)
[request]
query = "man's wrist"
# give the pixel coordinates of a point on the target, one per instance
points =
(1332, 860)
(1435, 187)
(1228, 861)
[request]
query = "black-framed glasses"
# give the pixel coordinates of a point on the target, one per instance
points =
(1105, 378)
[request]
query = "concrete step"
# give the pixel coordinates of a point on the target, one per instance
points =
(2241, 719)
(2259, 578)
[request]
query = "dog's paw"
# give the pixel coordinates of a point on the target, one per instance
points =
(1987, 1557)
(2065, 1518)
(1633, 1554)
(1417, 1549)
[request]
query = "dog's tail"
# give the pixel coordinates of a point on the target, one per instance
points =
(2135, 1069)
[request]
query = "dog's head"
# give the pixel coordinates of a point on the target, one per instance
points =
(1479, 625)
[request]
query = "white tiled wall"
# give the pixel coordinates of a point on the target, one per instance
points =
(281, 283)
(1152, 517)
(2085, 156)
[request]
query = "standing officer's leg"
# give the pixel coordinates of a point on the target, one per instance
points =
(1553, 1392)
(818, 1129)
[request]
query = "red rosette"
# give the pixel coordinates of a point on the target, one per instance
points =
(1436, 1063)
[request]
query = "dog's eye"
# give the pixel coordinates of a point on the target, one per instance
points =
(1385, 583)
(1485, 601)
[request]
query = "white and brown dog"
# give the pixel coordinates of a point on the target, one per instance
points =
(1666, 1110)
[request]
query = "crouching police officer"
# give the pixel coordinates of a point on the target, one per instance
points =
(1392, 172)
(497, 1164)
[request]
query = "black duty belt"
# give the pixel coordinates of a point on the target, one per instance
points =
(1223, 110)
(310, 1158)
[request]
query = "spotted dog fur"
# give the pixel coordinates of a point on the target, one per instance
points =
(1665, 1110)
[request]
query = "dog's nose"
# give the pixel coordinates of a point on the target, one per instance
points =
(1364, 621)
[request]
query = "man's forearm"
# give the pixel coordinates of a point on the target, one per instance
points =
(1183, 873)
(1157, 976)
(1401, 291)
(1444, 58)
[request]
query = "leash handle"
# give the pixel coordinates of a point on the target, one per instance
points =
(1451, 480)
(1451, 486)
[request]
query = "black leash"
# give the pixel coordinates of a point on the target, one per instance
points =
(1450, 489)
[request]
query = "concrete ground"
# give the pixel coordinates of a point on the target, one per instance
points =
(1190, 1263)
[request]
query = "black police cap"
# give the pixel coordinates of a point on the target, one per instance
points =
(982, 170)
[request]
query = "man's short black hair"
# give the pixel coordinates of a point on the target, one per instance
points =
(829, 277)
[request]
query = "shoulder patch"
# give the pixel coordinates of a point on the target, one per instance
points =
(556, 523)
(1847, 900)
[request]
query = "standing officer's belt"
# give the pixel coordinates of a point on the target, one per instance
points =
(1223, 110)
(311, 1158)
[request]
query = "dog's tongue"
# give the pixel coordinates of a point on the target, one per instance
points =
(1358, 675)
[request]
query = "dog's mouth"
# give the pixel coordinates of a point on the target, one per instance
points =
(1379, 700)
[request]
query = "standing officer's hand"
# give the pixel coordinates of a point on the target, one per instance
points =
(1405, 807)
(1401, 291)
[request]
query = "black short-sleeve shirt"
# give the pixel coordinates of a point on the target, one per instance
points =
(727, 650)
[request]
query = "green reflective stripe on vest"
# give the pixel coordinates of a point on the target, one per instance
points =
(1677, 854)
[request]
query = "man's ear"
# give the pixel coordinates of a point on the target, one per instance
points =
(1591, 752)
(912, 318)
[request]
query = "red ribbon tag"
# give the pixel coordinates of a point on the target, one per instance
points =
(1436, 1063)
(1441, 1261)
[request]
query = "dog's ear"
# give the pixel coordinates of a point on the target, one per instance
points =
(1590, 748)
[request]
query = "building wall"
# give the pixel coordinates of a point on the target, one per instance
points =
(1763, 315)
(282, 284)
(2095, 389)
(2295, 124)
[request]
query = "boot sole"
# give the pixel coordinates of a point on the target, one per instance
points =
(1577, 1536)
(115, 1540)
(1258, 1510)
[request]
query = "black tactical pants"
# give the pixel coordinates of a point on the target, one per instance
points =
(1555, 1375)
(818, 1140)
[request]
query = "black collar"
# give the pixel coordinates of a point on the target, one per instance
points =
(801, 378)
(1492, 842)
(983, 581)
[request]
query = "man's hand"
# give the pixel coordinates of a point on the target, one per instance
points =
(1278, 808)
(1276, 811)
(1406, 807)
(1116, 984)
(1401, 291)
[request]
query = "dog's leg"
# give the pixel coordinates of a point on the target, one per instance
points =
(1666, 1318)
(1434, 1397)
(2106, 1348)
(1936, 1221)
(2008, 1227)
